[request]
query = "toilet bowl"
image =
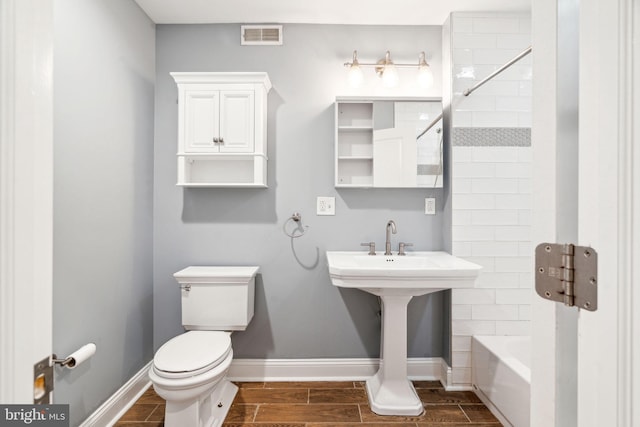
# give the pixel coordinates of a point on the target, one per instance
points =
(189, 371)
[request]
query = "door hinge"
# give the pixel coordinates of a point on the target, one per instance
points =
(568, 274)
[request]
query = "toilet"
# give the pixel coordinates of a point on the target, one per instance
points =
(190, 371)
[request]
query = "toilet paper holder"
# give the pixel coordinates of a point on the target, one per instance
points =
(75, 358)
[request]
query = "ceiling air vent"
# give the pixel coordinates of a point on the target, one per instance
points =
(261, 35)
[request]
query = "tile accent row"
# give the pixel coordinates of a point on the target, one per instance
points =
(491, 137)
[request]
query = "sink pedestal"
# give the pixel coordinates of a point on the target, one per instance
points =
(390, 391)
(396, 279)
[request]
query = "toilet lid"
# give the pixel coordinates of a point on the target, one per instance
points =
(193, 351)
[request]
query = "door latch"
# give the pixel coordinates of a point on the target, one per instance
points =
(568, 274)
(42, 381)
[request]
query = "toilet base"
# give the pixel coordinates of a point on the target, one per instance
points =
(209, 410)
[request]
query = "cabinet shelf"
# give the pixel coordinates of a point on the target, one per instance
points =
(222, 170)
(355, 158)
(355, 128)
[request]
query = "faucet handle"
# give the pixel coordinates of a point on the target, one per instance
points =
(372, 247)
(402, 246)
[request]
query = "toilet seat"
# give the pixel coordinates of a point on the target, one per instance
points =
(192, 353)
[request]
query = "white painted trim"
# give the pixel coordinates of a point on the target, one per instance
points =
(7, 54)
(634, 191)
(26, 193)
(326, 369)
(606, 362)
(115, 407)
(545, 170)
(628, 236)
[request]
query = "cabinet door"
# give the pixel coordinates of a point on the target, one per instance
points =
(237, 121)
(201, 121)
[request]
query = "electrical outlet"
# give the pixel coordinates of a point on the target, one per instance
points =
(430, 206)
(326, 206)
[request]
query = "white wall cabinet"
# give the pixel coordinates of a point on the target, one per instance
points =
(222, 129)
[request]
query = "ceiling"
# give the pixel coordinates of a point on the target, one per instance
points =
(364, 12)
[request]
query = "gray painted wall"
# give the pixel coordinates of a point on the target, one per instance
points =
(103, 161)
(298, 313)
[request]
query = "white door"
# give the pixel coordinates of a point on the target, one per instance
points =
(26, 190)
(237, 121)
(199, 122)
(592, 382)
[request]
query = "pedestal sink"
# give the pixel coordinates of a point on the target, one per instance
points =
(397, 279)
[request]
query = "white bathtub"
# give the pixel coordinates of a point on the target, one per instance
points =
(501, 376)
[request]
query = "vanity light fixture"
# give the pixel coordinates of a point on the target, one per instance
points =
(386, 69)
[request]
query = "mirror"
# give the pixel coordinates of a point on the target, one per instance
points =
(382, 143)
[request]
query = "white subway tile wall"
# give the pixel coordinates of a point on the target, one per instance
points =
(481, 43)
(491, 185)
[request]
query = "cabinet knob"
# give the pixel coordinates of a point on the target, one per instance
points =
(221, 140)
(215, 140)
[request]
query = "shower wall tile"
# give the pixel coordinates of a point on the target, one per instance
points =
(474, 327)
(495, 312)
(513, 328)
(461, 376)
(524, 312)
(513, 233)
(472, 233)
(498, 280)
(461, 359)
(461, 343)
(498, 249)
(493, 119)
(483, 24)
(491, 179)
(494, 154)
(513, 296)
(481, 43)
(461, 312)
(474, 296)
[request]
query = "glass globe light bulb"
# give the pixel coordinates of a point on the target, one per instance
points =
(356, 76)
(425, 76)
(390, 76)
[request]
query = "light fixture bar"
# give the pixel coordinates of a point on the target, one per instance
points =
(355, 61)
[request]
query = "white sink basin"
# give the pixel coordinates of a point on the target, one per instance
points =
(417, 273)
(397, 279)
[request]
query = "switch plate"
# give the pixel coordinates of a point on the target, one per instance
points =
(430, 206)
(326, 206)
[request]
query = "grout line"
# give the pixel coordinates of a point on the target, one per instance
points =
(465, 414)
(154, 410)
(255, 413)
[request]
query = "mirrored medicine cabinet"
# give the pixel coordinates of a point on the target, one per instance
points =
(380, 143)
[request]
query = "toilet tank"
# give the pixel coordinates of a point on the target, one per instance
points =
(217, 298)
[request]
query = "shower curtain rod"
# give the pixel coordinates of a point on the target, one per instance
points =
(480, 83)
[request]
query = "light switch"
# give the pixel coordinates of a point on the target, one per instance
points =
(430, 206)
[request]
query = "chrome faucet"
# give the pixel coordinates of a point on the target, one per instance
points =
(391, 227)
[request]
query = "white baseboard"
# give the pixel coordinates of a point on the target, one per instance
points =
(326, 369)
(432, 368)
(115, 407)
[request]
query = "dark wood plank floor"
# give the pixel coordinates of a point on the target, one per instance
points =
(325, 404)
